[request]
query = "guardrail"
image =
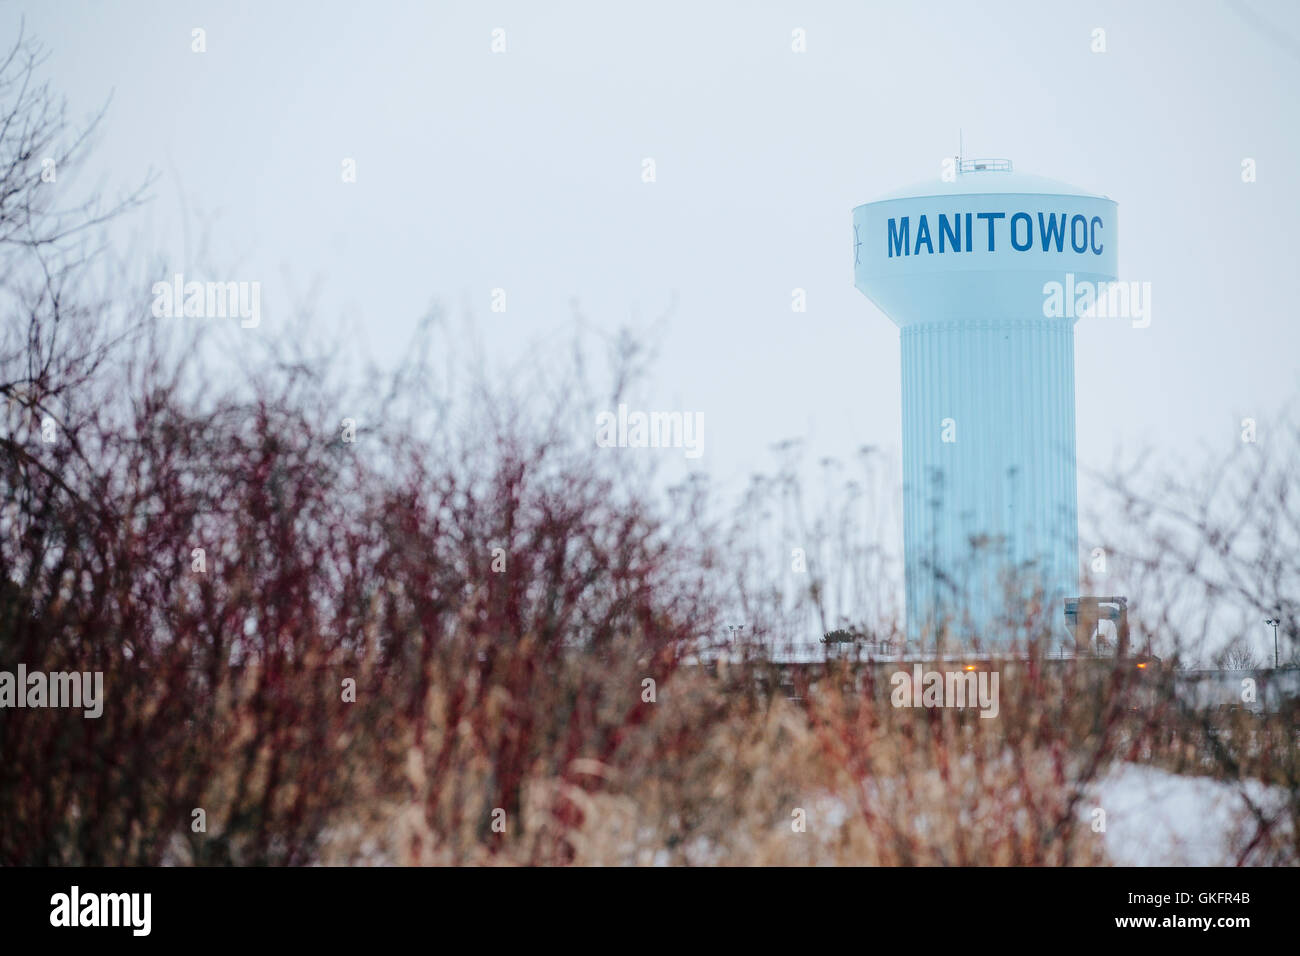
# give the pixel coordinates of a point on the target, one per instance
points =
(981, 165)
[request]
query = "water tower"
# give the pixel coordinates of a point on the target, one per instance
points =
(983, 271)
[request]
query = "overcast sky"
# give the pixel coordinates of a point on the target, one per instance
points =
(523, 170)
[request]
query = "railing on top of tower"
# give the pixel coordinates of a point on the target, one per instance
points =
(982, 165)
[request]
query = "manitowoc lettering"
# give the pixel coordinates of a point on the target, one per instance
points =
(987, 231)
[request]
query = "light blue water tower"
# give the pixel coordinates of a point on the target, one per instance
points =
(982, 271)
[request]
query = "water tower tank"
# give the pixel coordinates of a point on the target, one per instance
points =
(981, 275)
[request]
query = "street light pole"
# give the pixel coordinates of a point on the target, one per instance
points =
(1273, 623)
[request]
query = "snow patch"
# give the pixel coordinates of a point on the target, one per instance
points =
(1157, 818)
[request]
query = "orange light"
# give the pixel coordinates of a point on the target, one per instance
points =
(1141, 666)
(970, 667)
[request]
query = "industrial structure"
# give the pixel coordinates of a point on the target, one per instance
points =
(979, 269)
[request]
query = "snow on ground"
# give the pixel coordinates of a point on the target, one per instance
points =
(1156, 818)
